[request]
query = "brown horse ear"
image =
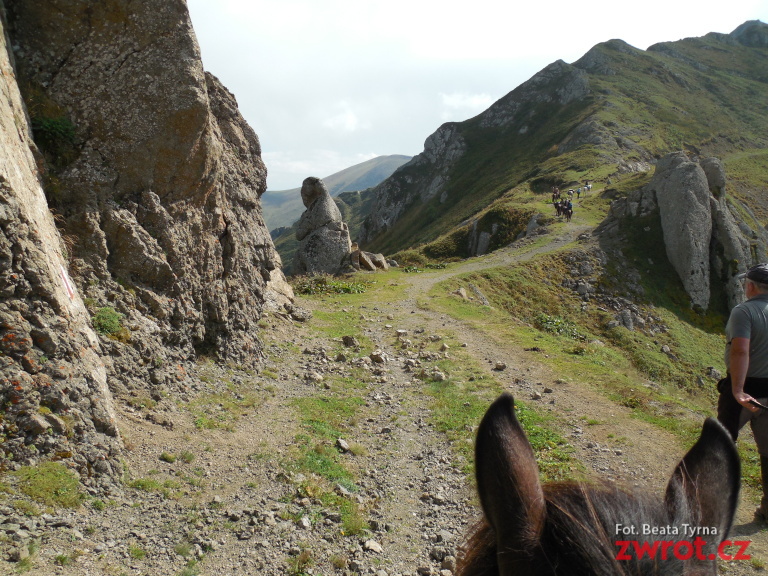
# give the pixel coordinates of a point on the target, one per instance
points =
(704, 488)
(509, 487)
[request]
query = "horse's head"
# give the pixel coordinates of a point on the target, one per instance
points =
(568, 529)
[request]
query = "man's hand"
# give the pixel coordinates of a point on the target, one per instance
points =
(744, 399)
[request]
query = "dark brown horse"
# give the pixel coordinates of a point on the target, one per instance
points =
(570, 529)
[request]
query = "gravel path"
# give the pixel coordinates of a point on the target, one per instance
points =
(226, 501)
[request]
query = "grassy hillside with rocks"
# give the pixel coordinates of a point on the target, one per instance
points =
(611, 113)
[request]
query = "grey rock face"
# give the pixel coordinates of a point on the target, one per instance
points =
(163, 191)
(49, 354)
(428, 174)
(682, 193)
(559, 82)
(704, 239)
(156, 197)
(323, 236)
(752, 33)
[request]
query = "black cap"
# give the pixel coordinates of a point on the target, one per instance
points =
(758, 273)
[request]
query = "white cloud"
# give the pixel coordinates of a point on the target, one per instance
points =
(341, 76)
(347, 120)
(458, 105)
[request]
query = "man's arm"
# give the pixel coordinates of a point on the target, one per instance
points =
(739, 360)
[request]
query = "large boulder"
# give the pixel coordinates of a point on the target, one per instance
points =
(148, 219)
(682, 193)
(323, 237)
(706, 241)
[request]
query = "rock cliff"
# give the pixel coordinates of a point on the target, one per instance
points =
(705, 240)
(153, 179)
(53, 384)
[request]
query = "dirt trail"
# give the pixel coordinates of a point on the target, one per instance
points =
(227, 499)
(620, 448)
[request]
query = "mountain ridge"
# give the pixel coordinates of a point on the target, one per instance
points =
(614, 111)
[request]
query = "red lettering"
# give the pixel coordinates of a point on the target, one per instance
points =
(682, 550)
(622, 554)
(740, 555)
(698, 544)
(687, 555)
(666, 545)
(721, 550)
(646, 548)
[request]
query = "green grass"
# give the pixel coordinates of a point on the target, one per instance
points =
(167, 457)
(315, 285)
(459, 404)
(168, 488)
(530, 310)
(325, 419)
(51, 484)
(328, 417)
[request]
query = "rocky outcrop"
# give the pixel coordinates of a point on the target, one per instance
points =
(421, 179)
(682, 193)
(323, 236)
(53, 384)
(558, 83)
(429, 174)
(705, 240)
(162, 195)
(154, 180)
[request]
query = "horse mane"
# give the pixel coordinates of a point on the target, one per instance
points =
(579, 534)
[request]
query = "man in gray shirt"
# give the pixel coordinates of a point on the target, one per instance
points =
(745, 388)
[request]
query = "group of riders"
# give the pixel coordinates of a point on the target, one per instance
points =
(563, 202)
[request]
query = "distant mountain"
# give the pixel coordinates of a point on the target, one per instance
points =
(610, 114)
(284, 207)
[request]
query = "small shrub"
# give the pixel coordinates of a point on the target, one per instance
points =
(145, 484)
(299, 563)
(556, 325)
(107, 321)
(24, 565)
(62, 560)
(632, 402)
(191, 569)
(353, 522)
(168, 457)
(55, 136)
(187, 457)
(339, 561)
(325, 285)
(136, 552)
(183, 549)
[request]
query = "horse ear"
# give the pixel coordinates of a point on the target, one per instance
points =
(706, 481)
(509, 487)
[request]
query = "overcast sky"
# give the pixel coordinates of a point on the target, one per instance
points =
(327, 84)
